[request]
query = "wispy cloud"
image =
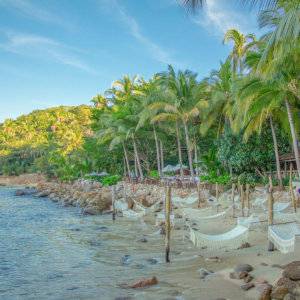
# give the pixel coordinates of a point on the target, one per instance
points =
(31, 10)
(43, 48)
(218, 17)
(156, 51)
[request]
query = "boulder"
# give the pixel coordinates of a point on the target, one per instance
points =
(264, 291)
(243, 268)
(20, 193)
(279, 292)
(292, 270)
(144, 283)
(247, 286)
(90, 210)
(203, 273)
(287, 283)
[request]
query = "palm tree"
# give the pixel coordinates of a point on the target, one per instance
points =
(262, 4)
(242, 44)
(221, 98)
(183, 107)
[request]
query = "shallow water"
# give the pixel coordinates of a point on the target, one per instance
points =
(53, 252)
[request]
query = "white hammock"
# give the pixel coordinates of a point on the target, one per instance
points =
(283, 236)
(199, 214)
(185, 201)
(229, 240)
(131, 214)
(248, 221)
(280, 206)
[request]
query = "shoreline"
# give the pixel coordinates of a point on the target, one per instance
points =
(268, 266)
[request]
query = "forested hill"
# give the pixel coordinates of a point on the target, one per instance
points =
(43, 140)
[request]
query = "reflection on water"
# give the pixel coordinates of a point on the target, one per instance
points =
(52, 252)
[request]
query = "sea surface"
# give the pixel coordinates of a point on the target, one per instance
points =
(52, 252)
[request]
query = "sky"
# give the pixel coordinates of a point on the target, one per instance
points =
(64, 52)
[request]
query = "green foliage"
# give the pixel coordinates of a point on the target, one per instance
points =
(214, 178)
(154, 174)
(110, 180)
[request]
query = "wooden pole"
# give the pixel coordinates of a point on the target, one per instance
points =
(242, 199)
(247, 198)
(232, 197)
(292, 195)
(167, 222)
(113, 202)
(199, 194)
(271, 246)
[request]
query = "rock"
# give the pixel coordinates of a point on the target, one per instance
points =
(20, 193)
(152, 261)
(244, 245)
(144, 283)
(248, 279)
(43, 194)
(90, 211)
(126, 259)
(247, 286)
(213, 259)
(242, 275)
(243, 268)
(289, 297)
(203, 273)
(261, 281)
(279, 292)
(264, 264)
(264, 291)
(143, 240)
(233, 275)
(287, 283)
(292, 270)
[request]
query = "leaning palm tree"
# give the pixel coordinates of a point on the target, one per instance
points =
(241, 45)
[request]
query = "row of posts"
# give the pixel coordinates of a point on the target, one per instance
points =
(244, 192)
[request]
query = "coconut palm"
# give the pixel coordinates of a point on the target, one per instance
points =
(241, 45)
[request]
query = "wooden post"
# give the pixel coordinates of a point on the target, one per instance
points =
(292, 195)
(167, 222)
(247, 198)
(242, 199)
(232, 197)
(113, 189)
(271, 246)
(199, 194)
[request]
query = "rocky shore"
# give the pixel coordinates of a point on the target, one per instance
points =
(91, 196)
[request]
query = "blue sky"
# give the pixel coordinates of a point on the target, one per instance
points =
(63, 52)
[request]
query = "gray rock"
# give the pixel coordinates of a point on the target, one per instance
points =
(247, 286)
(243, 268)
(203, 273)
(90, 210)
(126, 259)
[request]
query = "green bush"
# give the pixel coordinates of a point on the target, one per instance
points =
(214, 178)
(110, 180)
(154, 174)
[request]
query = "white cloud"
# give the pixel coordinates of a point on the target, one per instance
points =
(156, 51)
(217, 18)
(30, 10)
(43, 48)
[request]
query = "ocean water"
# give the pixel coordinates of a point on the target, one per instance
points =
(52, 252)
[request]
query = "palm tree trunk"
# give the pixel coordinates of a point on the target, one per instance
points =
(126, 160)
(196, 159)
(137, 158)
(161, 155)
(276, 153)
(135, 167)
(293, 132)
(157, 152)
(187, 138)
(179, 149)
